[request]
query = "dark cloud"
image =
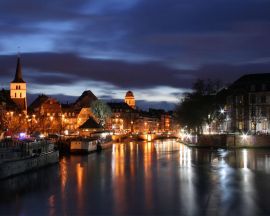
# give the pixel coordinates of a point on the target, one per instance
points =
(136, 43)
(68, 69)
(186, 33)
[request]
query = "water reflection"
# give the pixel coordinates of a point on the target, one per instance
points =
(161, 177)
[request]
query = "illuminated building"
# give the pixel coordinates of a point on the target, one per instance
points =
(130, 99)
(57, 118)
(126, 119)
(77, 113)
(123, 117)
(48, 113)
(248, 104)
(73, 117)
(18, 88)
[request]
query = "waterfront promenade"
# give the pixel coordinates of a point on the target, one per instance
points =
(160, 177)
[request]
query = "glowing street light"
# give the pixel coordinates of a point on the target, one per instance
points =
(244, 136)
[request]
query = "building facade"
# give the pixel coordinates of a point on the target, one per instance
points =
(248, 104)
(130, 99)
(45, 115)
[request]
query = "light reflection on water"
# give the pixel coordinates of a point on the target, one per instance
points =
(162, 177)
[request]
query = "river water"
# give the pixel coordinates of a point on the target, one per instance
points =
(163, 177)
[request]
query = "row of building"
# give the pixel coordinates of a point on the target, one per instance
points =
(47, 115)
(244, 107)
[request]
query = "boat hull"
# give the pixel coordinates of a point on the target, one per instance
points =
(80, 147)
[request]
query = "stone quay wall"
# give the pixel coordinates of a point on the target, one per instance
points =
(14, 167)
(229, 141)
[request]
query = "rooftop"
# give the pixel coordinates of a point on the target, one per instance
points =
(18, 76)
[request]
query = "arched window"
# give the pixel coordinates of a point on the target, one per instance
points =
(20, 95)
(15, 95)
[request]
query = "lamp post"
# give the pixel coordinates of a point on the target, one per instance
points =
(131, 126)
(222, 112)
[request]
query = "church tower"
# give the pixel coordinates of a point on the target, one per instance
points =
(130, 99)
(18, 88)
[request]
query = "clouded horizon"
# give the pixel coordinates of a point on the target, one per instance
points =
(155, 48)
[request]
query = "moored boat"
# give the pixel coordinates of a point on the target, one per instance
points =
(83, 145)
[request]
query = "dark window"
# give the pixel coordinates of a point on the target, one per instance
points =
(263, 99)
(253, 111)
(252, 88)
(239, 99)
(253, 99)
(263, 111)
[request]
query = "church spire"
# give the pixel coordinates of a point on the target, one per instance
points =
(18, 76)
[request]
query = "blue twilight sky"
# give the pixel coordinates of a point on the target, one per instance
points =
(156, 48)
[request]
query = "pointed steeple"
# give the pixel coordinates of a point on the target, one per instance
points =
(18, 76)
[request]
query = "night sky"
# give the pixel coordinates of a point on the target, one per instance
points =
(156, 48)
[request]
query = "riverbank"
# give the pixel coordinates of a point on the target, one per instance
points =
(227, 141)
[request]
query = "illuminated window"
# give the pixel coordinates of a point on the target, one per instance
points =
(241, 125)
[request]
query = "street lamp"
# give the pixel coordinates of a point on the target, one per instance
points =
(222, 111)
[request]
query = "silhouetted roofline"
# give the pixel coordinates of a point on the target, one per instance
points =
(90, 124)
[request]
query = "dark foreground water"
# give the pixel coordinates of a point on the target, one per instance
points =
(163, 177)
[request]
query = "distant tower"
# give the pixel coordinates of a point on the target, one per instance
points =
(130, 99)
(18, 88)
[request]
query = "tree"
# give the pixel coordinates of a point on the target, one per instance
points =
(3, 120)
(101, 111)
(16, 122)
(200, 106)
